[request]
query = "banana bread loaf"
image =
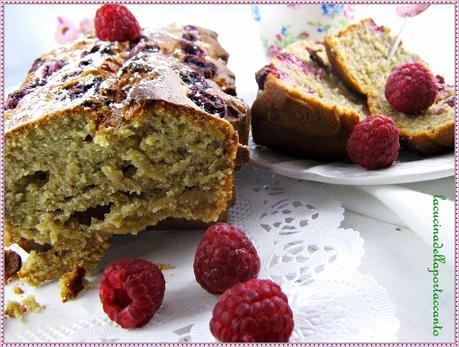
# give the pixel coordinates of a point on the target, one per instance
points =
(108, 138)
(359, 53)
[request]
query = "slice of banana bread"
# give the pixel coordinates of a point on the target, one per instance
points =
(109, 138)
(359, 53)
(303, 108)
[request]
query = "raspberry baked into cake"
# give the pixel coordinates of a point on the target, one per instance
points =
(312, 95)
(110, 137)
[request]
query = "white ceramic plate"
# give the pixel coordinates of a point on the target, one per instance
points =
(408, 168)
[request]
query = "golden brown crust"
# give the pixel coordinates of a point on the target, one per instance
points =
(242, 156)
(282, 119)
(105, 79)
(430, 143)
(72, 283)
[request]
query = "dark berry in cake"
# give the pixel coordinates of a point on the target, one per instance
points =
(79, 89)
(191, 78)
(100, 47)
(85, 62)
(144, 46)
(36, 64)
(192, 49)
(293, 59)
(373, 26)
(451, 101)
(211, 103)
(200, 65)
(263, 73)
(191, 33)
(14, 98)
(315, 57)
(52, 66)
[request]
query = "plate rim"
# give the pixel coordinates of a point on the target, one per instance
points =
(400, 178)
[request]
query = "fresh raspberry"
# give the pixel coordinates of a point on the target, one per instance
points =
(374, 142)
(411, 88)
(116, 23)
(253, 311)
(131, 290)
(225, 256)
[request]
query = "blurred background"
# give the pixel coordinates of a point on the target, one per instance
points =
(247, 32)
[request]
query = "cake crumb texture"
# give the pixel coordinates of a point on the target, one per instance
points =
(18, 310)
(17, 290)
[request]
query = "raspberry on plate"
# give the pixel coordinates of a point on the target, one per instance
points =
(411, 88)
(116, 23)
(225, 256)
(374, 142)
(253, 311)
(131, 291)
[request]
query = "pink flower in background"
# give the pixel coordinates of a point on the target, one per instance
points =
(411, 10)
(294, 6)
(349, 12)
(87, 26)
(279, 37)
(66, 30)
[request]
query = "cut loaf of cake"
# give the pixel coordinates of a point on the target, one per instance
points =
(359, 53)
(303, 108)
(109, 138)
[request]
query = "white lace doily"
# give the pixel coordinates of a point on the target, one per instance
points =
(296, 230)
